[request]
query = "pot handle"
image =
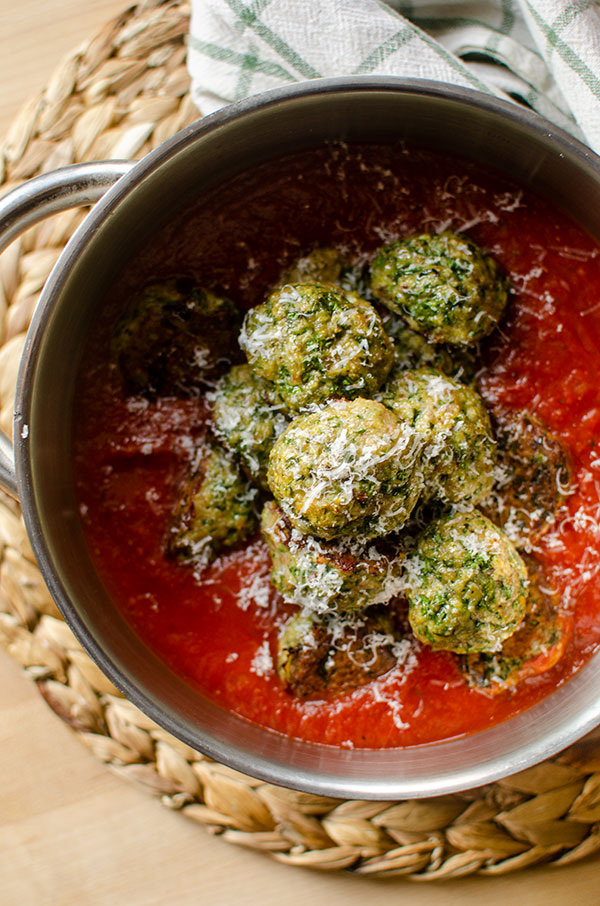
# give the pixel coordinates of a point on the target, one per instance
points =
(58, 190)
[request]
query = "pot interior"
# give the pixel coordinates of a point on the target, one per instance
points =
(192, 163)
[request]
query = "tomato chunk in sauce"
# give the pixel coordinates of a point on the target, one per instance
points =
(219, 631)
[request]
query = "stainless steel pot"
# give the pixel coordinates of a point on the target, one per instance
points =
(195, 160)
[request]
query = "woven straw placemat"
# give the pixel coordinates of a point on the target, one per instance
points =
(119, 97)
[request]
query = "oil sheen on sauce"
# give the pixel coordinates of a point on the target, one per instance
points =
(219, 633)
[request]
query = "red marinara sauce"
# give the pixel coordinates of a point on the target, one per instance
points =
(219, 633)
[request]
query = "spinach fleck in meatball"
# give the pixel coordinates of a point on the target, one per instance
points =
(444, 286)
(347, 469)
(467, 585)
(328, 654)
(216, 509)
(316, 342)
(535, 647)
(248, 419)
(531, 480)
(175, 339)
(322, 576)
(458, 451)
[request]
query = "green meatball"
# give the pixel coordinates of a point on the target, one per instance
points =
(248, 419)
(536, 646)
(322, 265)
(316, 342)
(458, 449)
(467, 585)
(347, 469)
(216, 509)
(175, 339)
(328, 654)
(325, 265)
(444, 286)
(532, 479)
(412, 350)
(322, 576)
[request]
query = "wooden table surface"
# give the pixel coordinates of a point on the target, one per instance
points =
(70, 831)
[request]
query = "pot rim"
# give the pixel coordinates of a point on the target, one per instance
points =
(258, 765)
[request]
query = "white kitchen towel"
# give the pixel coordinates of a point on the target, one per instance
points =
(545, 53)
